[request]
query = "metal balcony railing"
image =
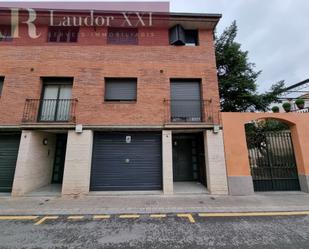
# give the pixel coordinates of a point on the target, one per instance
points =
(49, 110)
(190, 111)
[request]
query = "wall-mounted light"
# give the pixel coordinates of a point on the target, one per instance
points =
(79, 128)
(216, 129)
(45, 141)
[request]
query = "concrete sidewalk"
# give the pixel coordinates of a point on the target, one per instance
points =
(261, 202)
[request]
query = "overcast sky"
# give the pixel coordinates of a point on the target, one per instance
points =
(275, 32)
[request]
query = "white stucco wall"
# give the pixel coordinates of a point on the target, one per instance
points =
(35, 161)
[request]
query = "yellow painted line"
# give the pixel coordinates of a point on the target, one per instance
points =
(188, 216)
(75, 217)
(46, 218)
(18, 217)
(253, 214)
(158, 215)
(129, 216)
(101, 216)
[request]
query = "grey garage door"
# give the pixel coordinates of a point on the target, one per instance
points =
(126, 161)
(9, 144)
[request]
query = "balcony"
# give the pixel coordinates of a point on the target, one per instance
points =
(190, 112)
(49, 110)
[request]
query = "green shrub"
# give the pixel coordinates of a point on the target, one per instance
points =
(300, 103)
(275, 109)
(286, 106)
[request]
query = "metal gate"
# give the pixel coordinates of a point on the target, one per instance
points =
(272, 161)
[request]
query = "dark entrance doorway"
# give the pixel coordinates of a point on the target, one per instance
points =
(61, 144)
(188, 158)
(271, 156)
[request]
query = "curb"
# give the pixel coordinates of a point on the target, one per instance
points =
(303, 210)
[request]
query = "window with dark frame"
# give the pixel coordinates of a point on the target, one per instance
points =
(183, 37)
(122, 36)
(63, 34)
(120, 89)
(5, 31)
(1, 85)
(186, 100)
(191, 37)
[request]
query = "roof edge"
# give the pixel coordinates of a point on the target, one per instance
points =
(193, 15)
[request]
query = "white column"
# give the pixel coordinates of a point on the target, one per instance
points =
(35, 162)
(77, 167)
(167, 158)
(215, 163)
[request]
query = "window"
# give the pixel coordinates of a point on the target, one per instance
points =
(191, 37)
(1, 84)
(122, 36)
(62, 34)
(120, 89)
(5, 31)
(56, 102)
(180, 36)
(186, 103)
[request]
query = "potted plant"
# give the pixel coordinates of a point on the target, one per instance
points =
(275, 109)
(300, 103)
(286, 106)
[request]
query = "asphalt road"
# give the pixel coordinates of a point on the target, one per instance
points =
(165, 232)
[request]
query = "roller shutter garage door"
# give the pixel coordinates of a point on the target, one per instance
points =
(9, 145)
(126, 161)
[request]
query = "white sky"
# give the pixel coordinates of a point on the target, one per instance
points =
(275, 32)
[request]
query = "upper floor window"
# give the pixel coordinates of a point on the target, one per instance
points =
(180, 36)
(56, 103)
(62, 34)
(186, 102)
(122, 36)
(120, 89)
(5, 33)
(1, 84)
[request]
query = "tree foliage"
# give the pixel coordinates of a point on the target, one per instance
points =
(237, 77)
(256, 133)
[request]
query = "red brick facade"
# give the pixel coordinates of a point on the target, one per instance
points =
(154, 62)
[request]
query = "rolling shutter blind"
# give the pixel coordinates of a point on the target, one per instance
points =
(120, 89)
(122, 36)
(9, 144)
(185, 101)
(63, 34)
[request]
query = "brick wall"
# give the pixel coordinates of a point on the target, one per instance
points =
(90, 60)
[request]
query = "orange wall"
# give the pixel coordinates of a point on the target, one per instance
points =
(236, 152)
